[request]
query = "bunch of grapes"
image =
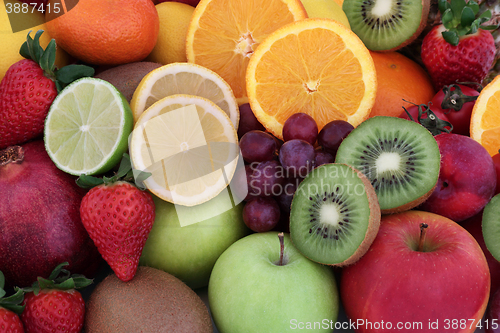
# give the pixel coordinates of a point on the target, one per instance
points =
(274, 169)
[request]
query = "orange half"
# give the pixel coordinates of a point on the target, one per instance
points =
(223, 34)
(315, 66)
(485, 118)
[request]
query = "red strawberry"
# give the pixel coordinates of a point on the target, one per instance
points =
(460, 49)
(118, 217)
(28, 89)
(9, 310)
(54, 305)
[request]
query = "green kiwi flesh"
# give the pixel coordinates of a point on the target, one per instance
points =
(386, 25)
(401, 159)
(491, 226)
(335, 215)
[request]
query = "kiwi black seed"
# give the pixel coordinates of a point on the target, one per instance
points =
(335, 215)
(491, 226)
(400, 158)
(386, 25)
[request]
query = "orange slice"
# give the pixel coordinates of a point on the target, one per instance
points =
(316, 66)
(223, 34)
(485, 118)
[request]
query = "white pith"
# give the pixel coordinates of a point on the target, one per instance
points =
(387, 162)
(329, 214)
(382, 8)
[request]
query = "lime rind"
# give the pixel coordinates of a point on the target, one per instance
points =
(491, 226)
(87, 127)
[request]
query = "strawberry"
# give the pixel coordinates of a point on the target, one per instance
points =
(9, 309)
(54, 305)
(28, 89)
(118, 217)
(460, 49)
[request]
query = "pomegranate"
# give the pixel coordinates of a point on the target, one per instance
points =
(40, 224)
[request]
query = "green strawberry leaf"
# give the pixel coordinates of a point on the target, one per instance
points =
(48, 58)
(140, 177)
(486, 15)
(70, 73)
(474, 6)
(55, 273)
(87, 182)
(24, 51)
(125, 166)
(467, 18)
(2, 280)
(451, 37)
(489, 27)
(443, 5)
(447, 19)
(456, 7)
(2, 293)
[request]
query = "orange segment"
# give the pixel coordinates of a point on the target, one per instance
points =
(315, 66)
(223, 34)
(485, 119)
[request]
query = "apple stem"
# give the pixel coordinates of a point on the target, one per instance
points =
(423, 231)
(281, 237)
(12, 154)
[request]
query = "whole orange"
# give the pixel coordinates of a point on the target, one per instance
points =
(105, 32)
(399, 78)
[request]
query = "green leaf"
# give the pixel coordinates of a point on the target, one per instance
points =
(29, 46)
(87, 182)
(447, 19)
(125, 166)
(81, 281)
(443, 5)
(48, 58)
(2, 293)
(2, 280)
(451, 37)
(66, 285)
(474, 27)
(36, 49)
(456, 7)
(489, 27)
(467, 17)
(140, 177)
(24, 51)
(474, 6)
(70, 73)
(462, 31)
(486, 14)
(55, 273)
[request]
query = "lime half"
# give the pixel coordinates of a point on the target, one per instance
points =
(87, 127)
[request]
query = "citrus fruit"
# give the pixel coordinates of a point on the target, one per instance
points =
(87, 127)
(184, 78)
(485, 118)
(174, 22)
(315, 66)
(10, 42)
(224, 34)
(326, 9)
(106, 32)
(190, 147)
(398, 78)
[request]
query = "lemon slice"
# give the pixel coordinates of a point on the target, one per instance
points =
(190, 147)
(184, 78)
(87, 127)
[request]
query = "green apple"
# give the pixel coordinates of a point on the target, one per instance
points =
(189, 251)
(250, 292)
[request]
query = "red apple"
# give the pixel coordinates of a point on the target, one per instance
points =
(40, 224)
(467, 178)
(473, 225)
(417, 281)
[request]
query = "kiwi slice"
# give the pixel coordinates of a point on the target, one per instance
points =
(335, 215)
(491, 226)
(400, 157)
(385, 25)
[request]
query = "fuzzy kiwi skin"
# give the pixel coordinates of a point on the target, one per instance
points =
(426, 4)
(409, 205)
(373, 224)
(153, 301)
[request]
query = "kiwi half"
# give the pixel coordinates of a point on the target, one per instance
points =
(491, 226)
(387, 25)
(335, 215)
(401, 159)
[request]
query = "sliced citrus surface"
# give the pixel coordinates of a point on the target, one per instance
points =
(315, 66)
(87, 127)
(190, 147)
(485, 118)
(223, 34)
(184, 78)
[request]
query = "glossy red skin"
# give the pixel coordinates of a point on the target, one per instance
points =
(496, 162)
(40, 225)
(395, 283)
(467, 178)
(459, 119)
(300, 126)
(11, 321)
(473, 225)
(469, 61)
(493, 315)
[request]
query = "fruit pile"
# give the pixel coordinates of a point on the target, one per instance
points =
(312, 165)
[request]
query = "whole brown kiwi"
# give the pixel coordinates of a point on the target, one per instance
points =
(152, 302)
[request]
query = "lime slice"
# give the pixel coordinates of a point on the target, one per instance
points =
(190, 147)
(184, 78)
(87, 127)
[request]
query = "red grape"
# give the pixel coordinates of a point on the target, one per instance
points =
(300, 126)
(322, 157)
(297, 157)
(258, 146)
(248, 122)
(261, 214)
(266, 179)
(332, 134)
